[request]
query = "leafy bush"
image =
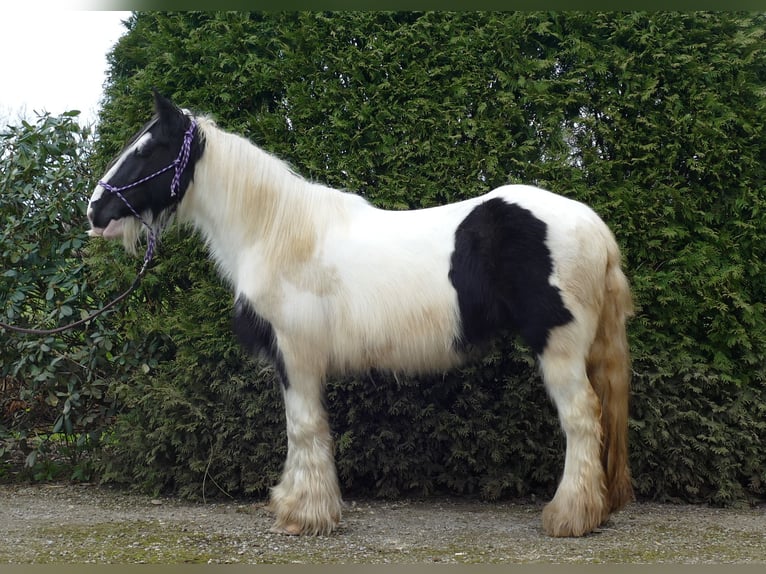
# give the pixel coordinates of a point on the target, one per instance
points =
(52, 385)
(56, 399)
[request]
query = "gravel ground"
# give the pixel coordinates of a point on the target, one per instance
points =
(78, 524)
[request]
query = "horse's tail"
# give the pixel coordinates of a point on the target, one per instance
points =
(608, 367)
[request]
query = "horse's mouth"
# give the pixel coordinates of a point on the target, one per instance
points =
(113, 229)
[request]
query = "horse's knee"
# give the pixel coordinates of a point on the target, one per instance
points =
(576, 402)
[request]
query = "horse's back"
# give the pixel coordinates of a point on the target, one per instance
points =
(558, 212)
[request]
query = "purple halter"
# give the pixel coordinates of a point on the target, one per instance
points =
(179, 164)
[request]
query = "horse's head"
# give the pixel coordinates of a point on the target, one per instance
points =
(149, 176)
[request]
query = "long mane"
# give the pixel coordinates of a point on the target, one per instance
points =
(243, 195)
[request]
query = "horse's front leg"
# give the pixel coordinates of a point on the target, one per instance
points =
(307, 500)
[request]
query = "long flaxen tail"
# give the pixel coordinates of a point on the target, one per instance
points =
(608, 366)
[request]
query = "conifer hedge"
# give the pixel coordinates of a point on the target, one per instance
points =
(654, 119)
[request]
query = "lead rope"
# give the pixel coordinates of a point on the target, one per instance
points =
(179, 164)
(128, 291)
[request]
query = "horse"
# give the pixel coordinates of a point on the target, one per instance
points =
(324, 283)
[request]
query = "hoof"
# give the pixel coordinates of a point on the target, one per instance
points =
(562, 523)
(287, 529)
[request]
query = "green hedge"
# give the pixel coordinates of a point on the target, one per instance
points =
(654, 119)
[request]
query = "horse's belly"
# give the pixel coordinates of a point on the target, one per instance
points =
(403, 354)
(411, 333)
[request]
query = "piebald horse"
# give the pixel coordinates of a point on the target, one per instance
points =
(325, 283)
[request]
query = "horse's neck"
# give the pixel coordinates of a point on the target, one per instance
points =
(247, 203)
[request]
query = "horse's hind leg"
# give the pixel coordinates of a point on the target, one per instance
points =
(579, 504)
(307, 500)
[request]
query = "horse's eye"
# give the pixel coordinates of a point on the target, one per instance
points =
(142, 151)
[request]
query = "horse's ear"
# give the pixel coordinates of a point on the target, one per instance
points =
(168, 113)
(162, 105)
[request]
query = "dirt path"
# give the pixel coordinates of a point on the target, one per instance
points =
(68, 524)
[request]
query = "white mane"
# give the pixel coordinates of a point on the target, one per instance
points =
(242, 195)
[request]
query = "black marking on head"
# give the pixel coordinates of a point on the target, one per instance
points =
(500, 269)
(167, 129)
(256, 335)
(147, 126)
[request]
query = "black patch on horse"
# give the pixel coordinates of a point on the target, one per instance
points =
(256, 335)
(500, 269)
